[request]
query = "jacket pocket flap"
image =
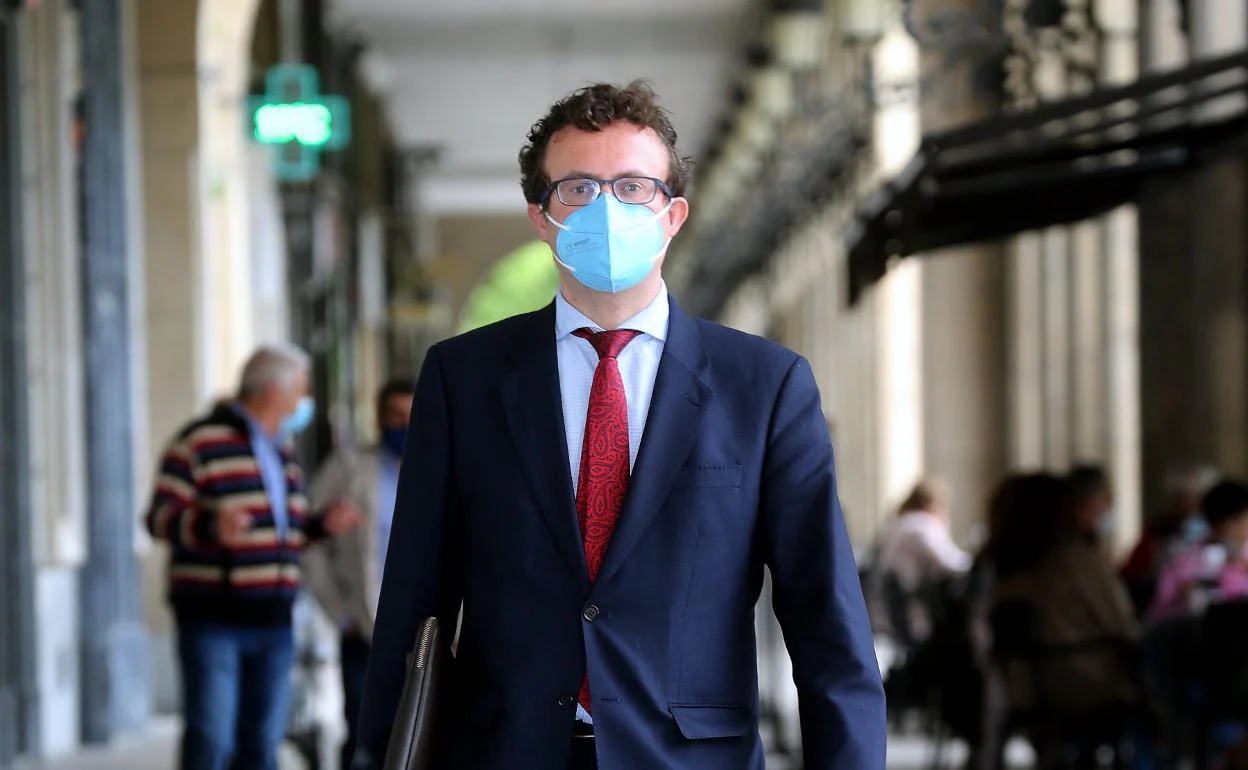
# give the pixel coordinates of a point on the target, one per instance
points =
(702, 722)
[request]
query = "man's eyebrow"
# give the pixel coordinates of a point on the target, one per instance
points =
(578, 174)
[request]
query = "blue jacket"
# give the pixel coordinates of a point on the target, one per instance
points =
(734, 474)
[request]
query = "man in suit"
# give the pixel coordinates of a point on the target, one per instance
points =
(599, 484)
(344, 574)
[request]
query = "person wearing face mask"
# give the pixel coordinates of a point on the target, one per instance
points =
(1091, 503)
(229, 500)
(1215, 569)
(596, 488)
(344, 574)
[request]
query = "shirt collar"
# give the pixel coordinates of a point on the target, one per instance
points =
(652, 319)
(252, 423)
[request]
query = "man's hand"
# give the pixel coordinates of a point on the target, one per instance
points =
(232, 526)
(341, 517)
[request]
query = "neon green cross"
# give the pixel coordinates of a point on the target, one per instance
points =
(297, 122)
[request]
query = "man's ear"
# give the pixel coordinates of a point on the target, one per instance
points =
(537, 216)
(676, 216)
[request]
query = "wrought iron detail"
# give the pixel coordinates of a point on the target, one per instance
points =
(1074, 40)
(977, 26)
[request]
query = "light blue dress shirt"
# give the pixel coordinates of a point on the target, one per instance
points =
(639, 365)
(387, 491)
(272, 469)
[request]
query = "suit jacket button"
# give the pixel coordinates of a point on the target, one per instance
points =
(591, 613)
(567, 702)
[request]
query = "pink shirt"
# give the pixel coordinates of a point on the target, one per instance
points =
(1189, 568)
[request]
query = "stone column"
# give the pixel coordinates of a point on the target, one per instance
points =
(1169, 410)
(1087, 341)
(962, 290)
(1192, 278)
(114, 642)
(1120, 388)
(1055, 347)
(18, 691)
(1219, 243)
(1025, 401)
(897, 301)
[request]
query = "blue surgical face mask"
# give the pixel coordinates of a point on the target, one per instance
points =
(610, 246)
(1194, 529)
(1105, 526)
(392, 439)
(299, 420)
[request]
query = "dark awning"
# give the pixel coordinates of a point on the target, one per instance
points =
(1057, 164)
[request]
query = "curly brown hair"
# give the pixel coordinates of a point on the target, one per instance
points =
(593, 108)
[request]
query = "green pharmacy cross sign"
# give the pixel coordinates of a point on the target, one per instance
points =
(298, 122)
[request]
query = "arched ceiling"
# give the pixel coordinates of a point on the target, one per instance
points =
(469, 77)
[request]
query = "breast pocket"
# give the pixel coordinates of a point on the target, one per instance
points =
(708, 477)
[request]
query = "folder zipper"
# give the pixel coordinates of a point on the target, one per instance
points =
(422, 650)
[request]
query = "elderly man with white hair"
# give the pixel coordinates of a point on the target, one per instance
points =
(229, 499)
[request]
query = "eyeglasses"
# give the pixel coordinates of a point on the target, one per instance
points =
(627, 189)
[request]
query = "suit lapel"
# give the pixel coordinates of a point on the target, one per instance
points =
(534, 409)
(676, 408)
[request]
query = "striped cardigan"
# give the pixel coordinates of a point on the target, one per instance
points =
(210, 466)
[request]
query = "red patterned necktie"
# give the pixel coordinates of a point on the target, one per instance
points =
(603, 480)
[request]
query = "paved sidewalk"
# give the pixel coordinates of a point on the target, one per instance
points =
(155, 750)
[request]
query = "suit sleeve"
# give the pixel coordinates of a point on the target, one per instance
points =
(817, 595)
(412, 586)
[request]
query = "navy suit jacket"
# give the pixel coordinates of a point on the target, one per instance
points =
(734, 473)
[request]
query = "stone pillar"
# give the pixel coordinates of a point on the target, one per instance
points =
(1169, 411)
(1120, 387)
(1194, 286)
(897, 301)
(1219, 243)
(962, 293)
(1055, 347)
(1087, 348)
(1025, 401)
(18, 691)
(114, 643)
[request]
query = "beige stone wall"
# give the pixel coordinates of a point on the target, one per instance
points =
(169, 104)
(168, 99)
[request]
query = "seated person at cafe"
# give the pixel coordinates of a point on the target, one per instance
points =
(1214, 570)
(918, 552)
(1042, 556)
